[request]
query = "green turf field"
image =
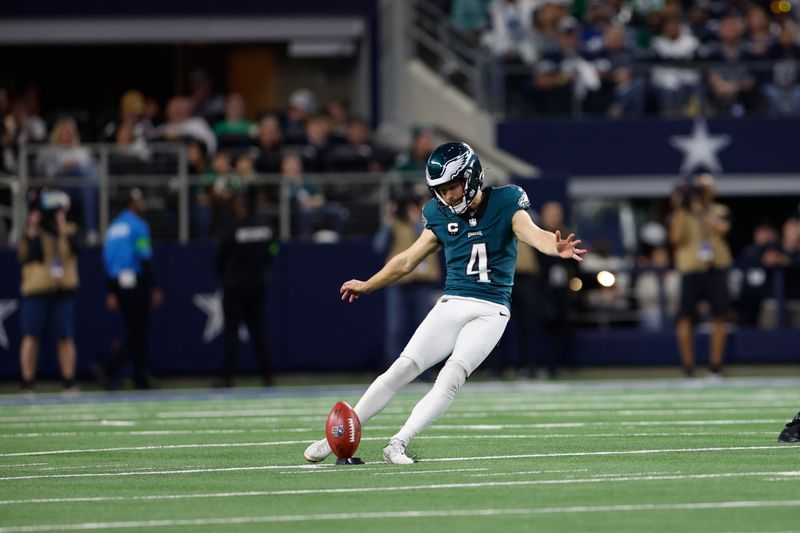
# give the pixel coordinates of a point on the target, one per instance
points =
(659, 455)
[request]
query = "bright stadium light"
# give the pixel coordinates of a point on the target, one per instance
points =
(606, 278)
(575, 284)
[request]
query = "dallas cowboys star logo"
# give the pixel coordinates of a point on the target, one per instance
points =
(7, 308)
(211, 305)
(700, 149)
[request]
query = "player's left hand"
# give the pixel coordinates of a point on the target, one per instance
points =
(352, 289)
(568, 248)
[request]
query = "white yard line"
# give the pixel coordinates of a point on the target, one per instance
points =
(694, 506)
(428, 460)
(402, 488)
(305, 441)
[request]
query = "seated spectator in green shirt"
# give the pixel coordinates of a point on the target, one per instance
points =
(234, 122)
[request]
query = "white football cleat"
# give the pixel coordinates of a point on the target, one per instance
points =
(317, 451)
(395, 453)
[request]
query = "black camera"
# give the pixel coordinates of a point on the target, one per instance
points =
(688, 192)
(51, 201)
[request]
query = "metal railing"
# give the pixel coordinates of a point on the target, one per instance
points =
(171, 191)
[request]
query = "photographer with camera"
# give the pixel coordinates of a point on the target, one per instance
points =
(702, 256)
(48, 254)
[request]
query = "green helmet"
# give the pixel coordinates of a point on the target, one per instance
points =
(454, 161)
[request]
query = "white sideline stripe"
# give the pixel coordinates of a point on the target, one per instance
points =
(400, 488)
(422, 437)
(745, 504)
(156, 432)
(431, 460)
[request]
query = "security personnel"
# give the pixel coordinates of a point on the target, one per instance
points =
(132, 289)
(245, 252)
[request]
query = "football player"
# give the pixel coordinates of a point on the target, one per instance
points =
(478, 229)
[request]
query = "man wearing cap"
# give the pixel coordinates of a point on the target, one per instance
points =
(132, 289)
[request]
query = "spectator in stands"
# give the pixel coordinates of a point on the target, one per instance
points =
(758, 35)
(659, 281)
(508, 40)
(234, 122)
(596, 21)
(310, 209)
(243, 258)
(755, 262)
(197, 161)
(66, 158)
(732, 86)
(676, 87)
(700, 22)
(790, 247)
(544, 30)
(221, 186)
(411, 298)
(20, 126)
(616, 63)
(131, 115)
(338, 116)
(703, 257)
(564, 79)
(203, 101)
(270, 144)
(413, 161)
(359, 153)
(48, 252)
(132, 290)
(129, 132)
(554, 292)
(470, 16)
(782, 89)
(181, 125)
(317, 144)
(302, 106)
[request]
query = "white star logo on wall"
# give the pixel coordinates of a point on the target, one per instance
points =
(7, 308)
(700, 149)
(211, 305)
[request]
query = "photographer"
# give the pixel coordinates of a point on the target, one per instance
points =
(702, 256)
(48, 254)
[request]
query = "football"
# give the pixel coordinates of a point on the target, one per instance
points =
(343, 430)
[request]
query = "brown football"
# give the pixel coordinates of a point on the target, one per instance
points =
(343, 430)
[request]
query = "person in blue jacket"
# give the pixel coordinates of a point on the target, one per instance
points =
(132, 289)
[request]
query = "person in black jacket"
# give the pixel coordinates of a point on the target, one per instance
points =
(245, 252)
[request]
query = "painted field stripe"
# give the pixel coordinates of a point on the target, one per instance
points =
(297, 442)
(400, 488)
(430, 460)
(694, 506)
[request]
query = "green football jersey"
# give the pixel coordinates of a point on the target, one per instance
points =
(480, 249)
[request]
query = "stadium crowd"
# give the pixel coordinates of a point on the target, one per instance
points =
(628, 58)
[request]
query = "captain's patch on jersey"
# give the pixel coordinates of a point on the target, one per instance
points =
(452, 228)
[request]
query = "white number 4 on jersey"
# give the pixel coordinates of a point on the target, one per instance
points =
(480, 256)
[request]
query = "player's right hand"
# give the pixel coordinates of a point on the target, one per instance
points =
(352, 289)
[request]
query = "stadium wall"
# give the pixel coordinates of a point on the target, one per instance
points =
(310, 328)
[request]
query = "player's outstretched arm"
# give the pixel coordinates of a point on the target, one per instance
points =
(398, 266)
(545, 241)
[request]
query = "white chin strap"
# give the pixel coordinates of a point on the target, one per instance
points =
(459, 208)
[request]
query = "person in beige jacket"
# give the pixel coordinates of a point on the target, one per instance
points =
(48, 255)
(702, 256)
